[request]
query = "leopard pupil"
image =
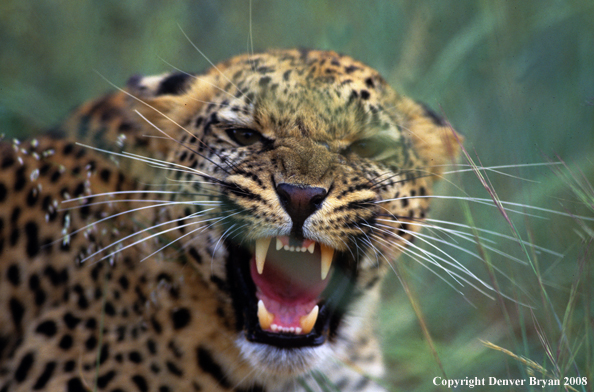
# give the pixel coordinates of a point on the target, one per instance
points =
(247, 136)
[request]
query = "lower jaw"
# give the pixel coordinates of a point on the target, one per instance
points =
(339, 293)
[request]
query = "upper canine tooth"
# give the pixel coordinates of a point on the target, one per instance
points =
(307, 322)
(264, 316)
(327, 255)
(262, 245)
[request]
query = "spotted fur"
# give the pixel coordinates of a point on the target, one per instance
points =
(175, 321)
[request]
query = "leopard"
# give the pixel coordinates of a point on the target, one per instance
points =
(214, 231)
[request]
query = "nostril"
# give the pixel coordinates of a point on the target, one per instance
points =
(283, 196)
(318, 200)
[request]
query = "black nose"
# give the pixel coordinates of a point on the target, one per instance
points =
(300, 202)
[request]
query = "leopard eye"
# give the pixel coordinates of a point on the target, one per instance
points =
(244, 136)
(366, 148)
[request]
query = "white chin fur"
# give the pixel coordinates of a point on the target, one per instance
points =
(282, 362)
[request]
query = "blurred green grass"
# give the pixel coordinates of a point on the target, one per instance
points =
(516, 78)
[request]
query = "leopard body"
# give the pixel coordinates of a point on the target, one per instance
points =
(126, 233)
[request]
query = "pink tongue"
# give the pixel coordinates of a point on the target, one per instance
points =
(290, 284)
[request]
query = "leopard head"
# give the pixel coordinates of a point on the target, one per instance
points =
(318, 175)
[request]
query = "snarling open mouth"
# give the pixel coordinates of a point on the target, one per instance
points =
(288, 291)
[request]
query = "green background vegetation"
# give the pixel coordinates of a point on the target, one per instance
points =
(516, 78)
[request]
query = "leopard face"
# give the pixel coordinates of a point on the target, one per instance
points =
(320, 171)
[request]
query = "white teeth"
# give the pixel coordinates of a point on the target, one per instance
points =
(327, 255)
(262, 245)
(290, 248)
(264, 316)
(307, 322)
(279, 328)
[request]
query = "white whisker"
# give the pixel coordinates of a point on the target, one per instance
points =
(182, 144)
(219, 241)
(203, 80)
(455, 264)
(495, 169)
(432, 255)
(494, 233)
(462, 249)
(147, 238)
(119, 193)
(127, 212)
(210, 62)
(466, 237)
(489, 202)
(182, 236)
(151, 161)
(147, 105)
(417, 258)
(165, 202)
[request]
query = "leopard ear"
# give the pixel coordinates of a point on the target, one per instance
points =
(172, 97)
(147, 87)
(434, 139)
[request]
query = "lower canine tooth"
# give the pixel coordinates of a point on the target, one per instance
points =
(307, 322)
(262, 245)
(327, 255)
(264, 316)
